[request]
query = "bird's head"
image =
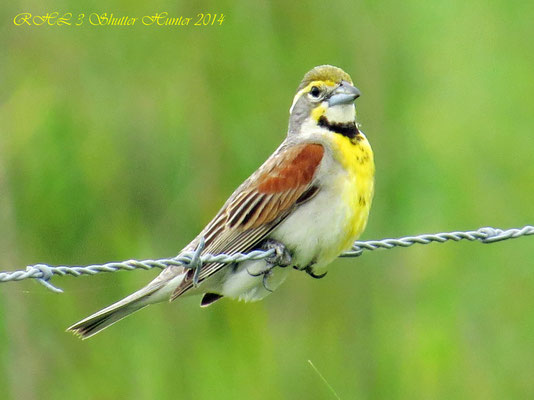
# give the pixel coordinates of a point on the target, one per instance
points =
(325, 101)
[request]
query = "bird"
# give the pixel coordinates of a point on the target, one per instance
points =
(309, 201)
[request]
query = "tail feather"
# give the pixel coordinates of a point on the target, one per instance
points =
(100, 320)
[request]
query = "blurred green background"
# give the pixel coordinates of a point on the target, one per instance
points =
(119, 143)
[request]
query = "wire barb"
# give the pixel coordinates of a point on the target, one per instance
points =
(194, 260)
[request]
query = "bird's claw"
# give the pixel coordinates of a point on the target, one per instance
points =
(309, 270)
(314, 275)
(266, 273)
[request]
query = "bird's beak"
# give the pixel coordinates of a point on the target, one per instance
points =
(344, 94)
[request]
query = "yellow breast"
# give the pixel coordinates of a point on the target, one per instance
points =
(357, 187)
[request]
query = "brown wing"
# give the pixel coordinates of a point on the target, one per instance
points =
(259, 205)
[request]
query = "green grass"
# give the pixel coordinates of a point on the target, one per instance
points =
(120, 143)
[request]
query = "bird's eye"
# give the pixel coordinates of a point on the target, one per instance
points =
(315, 91)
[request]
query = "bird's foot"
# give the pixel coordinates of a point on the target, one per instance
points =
(281, 256)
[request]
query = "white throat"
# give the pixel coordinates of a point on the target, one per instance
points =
(341, 113)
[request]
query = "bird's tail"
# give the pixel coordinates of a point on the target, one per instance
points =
(100, 320)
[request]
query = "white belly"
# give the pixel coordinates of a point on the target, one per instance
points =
(315, 230)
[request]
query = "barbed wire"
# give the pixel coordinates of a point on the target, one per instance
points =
(194, 260)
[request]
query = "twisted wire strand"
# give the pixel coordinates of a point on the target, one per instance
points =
(194, 260)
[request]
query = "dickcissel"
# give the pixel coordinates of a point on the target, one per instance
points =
(310, 200)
